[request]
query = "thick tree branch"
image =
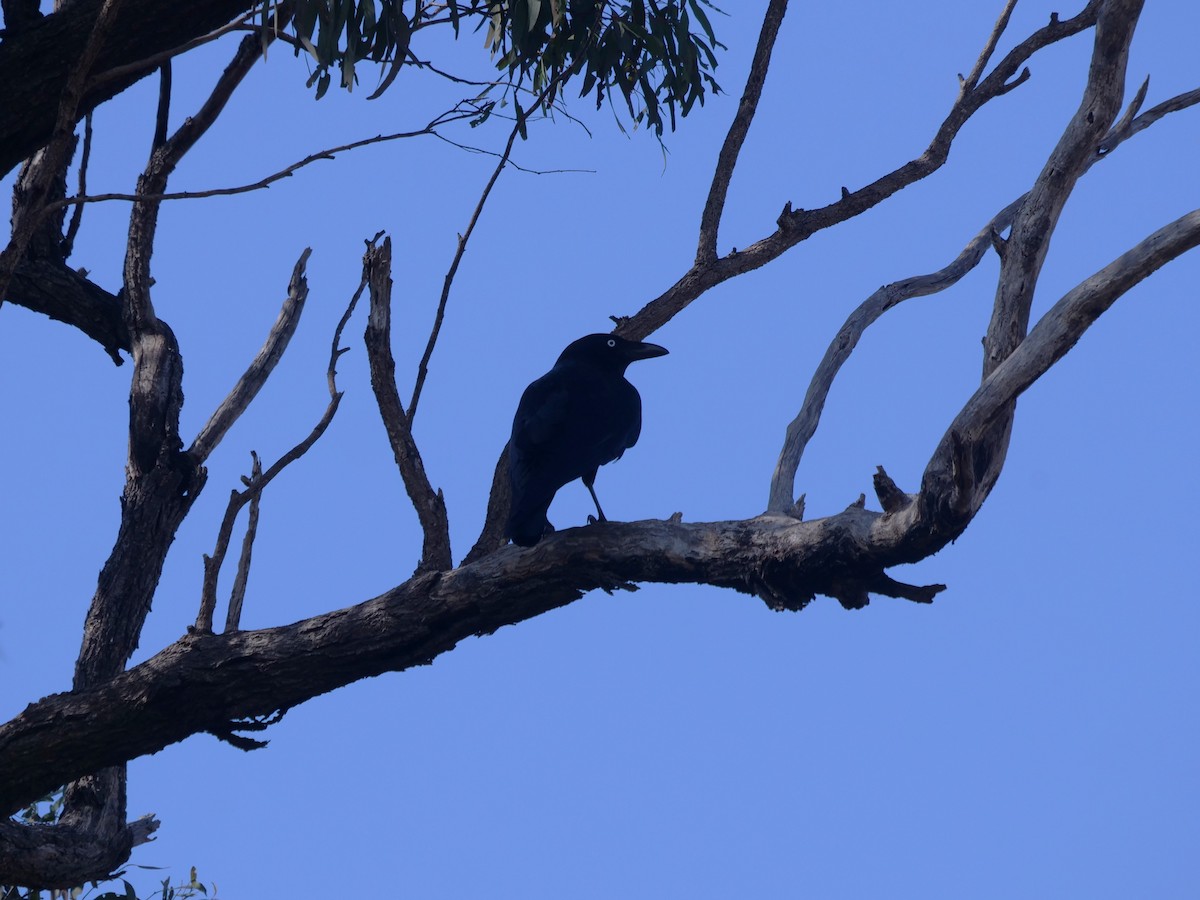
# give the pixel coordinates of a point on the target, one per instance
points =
(804, 426)
(429, 504)
(1056, 333)
(203, 682)
(1029, 239)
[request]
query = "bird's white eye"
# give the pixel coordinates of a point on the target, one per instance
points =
(611, 342)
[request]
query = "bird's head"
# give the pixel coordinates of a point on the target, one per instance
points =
(609, 351)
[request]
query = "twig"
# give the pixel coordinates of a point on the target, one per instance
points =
(233, 618)
(461, 248)
(85, 155)
(152, 62)
(429, 505)
(266, 182)
(256, 485)
(260, 368)
(969, 83)
(710, 220)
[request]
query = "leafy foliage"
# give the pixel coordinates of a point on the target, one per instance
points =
(658, 55)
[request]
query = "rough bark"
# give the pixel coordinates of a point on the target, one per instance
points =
(207, 682)
(37, 60)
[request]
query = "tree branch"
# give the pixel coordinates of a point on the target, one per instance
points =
(710, 219)
(52, 47)
(258, 483)
(1029, 238)
(1055, 333)
(796, 226)
(260, 368)
(202, 682)
(430, 505)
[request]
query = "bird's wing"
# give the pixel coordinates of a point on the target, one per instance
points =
(541, 412)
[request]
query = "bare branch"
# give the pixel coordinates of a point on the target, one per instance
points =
(85, 155)
(804, 426)
(1029, 238)
(262, 183)
(237, 596)
(150, 63)
(969, 83)
(710, 219)
(429, 505)
(1055, 334)
(203, 682)
(260, 369)
(461, 249)
(256, 485)
(797, 225)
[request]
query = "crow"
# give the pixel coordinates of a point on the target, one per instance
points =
(574, 419)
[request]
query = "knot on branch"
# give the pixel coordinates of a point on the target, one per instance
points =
(891, 498)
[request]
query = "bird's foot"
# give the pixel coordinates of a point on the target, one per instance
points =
(592, 520)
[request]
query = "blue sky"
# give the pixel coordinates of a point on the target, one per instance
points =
(1032, 733)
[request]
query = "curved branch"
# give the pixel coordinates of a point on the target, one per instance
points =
(797, 225)
(204, 681)
(1055, 333)
(804, 426)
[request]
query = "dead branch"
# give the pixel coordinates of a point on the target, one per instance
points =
(1058, 331)
(804, 426)
(257, 484)
(1029, 238)
(260, 368)
(710, 219)
(797, 225)
(237, 596)
(286, 172)
(430, 505)
(204, 681)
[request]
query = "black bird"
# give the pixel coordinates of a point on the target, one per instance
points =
(574, 419)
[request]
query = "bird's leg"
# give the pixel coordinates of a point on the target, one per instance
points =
(588, 481)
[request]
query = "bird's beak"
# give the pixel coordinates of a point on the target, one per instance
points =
(642, 350)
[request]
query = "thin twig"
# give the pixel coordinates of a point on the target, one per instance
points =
(85, 155)
(461, 248)
(233, 618)
(710, 220)
(266, 182)
(152, 62)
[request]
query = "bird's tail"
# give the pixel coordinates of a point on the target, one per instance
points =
(526, 526)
